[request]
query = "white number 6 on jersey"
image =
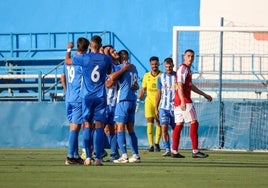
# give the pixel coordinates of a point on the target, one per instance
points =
(95, 75)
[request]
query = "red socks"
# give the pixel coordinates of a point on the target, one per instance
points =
(176, 137)
(194, 135)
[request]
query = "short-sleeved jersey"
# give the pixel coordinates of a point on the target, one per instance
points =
(184, 76)
(94, 67)
(150, 83)
(167, 84)
(73, 75)
(112, 91)
(128, 78)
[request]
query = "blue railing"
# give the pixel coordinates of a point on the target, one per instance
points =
(30, 62)
(237, 63)
(52, 45)
(36, 45)
(247, 73)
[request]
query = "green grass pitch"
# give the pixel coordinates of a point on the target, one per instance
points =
(45, 168)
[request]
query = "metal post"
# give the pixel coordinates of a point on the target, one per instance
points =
(175, 48)
(11, 43)
(221, 130)
(40, 86)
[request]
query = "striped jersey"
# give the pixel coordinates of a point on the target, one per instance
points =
(112, 91)
(167, 84)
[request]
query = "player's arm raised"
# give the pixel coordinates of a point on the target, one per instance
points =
(68, 59)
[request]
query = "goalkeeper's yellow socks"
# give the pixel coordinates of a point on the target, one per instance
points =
(150, 131)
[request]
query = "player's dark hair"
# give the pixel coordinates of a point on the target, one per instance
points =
(154, 58)
(82, 44)
(169, 60)
(108, 45)
(189, 50)
(96, 41)
(123, 55)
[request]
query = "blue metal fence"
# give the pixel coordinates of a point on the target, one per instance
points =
(31, 63)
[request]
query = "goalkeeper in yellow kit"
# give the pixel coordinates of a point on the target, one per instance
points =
(149, 87)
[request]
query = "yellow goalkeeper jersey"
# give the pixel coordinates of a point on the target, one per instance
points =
(150, 82)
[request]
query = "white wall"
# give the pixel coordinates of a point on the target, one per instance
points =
(242, 12)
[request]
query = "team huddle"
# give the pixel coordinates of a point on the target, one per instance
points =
(101, 96)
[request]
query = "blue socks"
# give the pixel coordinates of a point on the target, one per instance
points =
(87, 141)
(73, 144)
(167, 145)
(134, 143)
(121, 140)
(98, 142)
(113, 142)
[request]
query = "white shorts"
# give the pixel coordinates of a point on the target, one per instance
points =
(185, 116)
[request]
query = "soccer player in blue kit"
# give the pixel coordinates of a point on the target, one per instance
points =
(125, 111)
(111, 103)
(71, 81)
(94, 69)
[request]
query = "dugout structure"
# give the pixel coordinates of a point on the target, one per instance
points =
(231, 64)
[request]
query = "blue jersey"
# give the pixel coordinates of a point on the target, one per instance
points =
(129, 78)
(167, 83)
(73, 75)
(94, 67)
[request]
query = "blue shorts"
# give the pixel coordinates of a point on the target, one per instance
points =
(94, 109)
(74, 112)
(166, 117)
(125, 112)
(110, 115)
